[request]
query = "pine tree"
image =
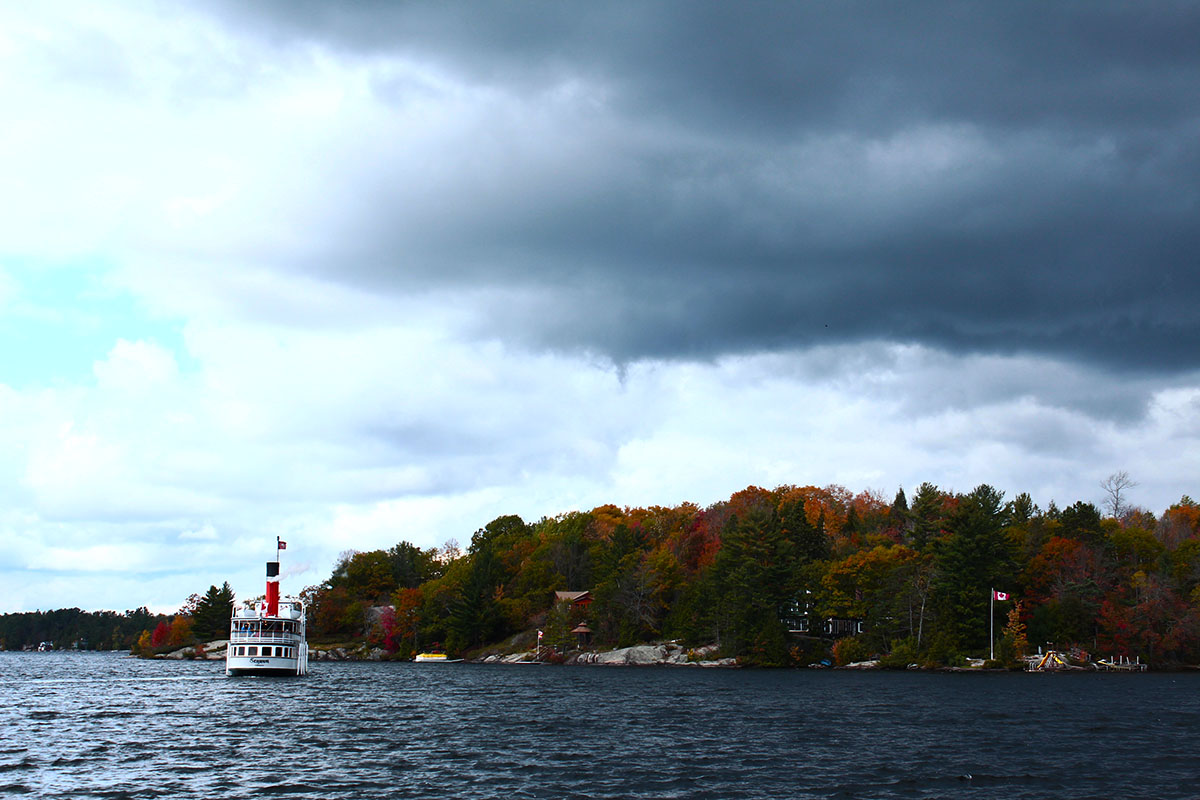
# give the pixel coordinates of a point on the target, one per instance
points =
(927, 515)
(973, 560)
(210, 620)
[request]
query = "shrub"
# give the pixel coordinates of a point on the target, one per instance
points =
(849, 650)
(903, 654)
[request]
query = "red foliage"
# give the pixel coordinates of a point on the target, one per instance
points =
(161, 635)
(1061, 565)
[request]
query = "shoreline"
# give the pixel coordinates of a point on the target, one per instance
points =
(667, 654)
(637, 656)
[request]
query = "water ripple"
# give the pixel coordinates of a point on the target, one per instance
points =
(103, 726)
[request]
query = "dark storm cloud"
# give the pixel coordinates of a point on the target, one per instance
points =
(1015, 177)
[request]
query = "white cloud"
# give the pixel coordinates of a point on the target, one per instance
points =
(359, 438)
(205, 533)
(214, 179)
(135, 367)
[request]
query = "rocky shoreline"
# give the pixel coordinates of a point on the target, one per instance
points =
(667, 654)
(638, 655)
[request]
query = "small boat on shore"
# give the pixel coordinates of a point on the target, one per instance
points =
(435, 658)
(268, 639)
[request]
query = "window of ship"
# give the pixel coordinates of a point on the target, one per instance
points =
(253, 651)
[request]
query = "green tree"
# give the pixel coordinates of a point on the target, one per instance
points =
(1081, 521)
(928, 515)
(412, 566)
(899, 516)
(476, 615)
(808, 542)
(879, 587)
(753, 579)
(976, 557)
(369, 577)
(212, 612)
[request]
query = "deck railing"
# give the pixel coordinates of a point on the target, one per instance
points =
(258, 637)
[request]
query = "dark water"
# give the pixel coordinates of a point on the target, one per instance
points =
(101, 725)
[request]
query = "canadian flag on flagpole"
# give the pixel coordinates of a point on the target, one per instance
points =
(1000, 595)
(282, 544)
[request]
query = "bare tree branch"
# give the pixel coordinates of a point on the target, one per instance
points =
(1115, 487)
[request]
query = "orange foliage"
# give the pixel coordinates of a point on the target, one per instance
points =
(1179, 522)
(181, 630)
(751, 498)
(606, 519)
(832, 502)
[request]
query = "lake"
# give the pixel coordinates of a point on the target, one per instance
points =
(95, 725)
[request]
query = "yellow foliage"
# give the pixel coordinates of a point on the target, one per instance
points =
(181, 630)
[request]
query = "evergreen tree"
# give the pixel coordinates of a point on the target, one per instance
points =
(899, 516)
(1081, 521)
(412, 566)
(927, 515)
(474, 614)
(753, 580)
(973, 560)
(808, 542)
(210, 620)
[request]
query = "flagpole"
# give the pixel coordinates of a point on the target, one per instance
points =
(992, 624)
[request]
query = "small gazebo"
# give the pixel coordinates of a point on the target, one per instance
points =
(583, 634)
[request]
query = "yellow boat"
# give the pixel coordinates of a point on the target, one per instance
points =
(435, 658)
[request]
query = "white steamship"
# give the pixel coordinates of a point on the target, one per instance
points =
(268, 639)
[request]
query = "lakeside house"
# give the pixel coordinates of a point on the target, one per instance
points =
(799, 618)
(577, 599)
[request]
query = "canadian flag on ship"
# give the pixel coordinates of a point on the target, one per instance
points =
(282, 544)
(1000, 595)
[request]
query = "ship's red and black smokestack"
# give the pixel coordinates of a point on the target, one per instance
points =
(272, 588)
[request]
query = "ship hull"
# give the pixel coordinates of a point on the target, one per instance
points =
(263, 666)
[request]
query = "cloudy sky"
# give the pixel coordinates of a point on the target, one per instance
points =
(357, 273)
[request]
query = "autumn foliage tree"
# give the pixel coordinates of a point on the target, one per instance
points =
(161, 635)
(767, 572)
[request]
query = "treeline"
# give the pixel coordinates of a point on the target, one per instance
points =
(755, 572)
(202, 618)
(71, 628)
